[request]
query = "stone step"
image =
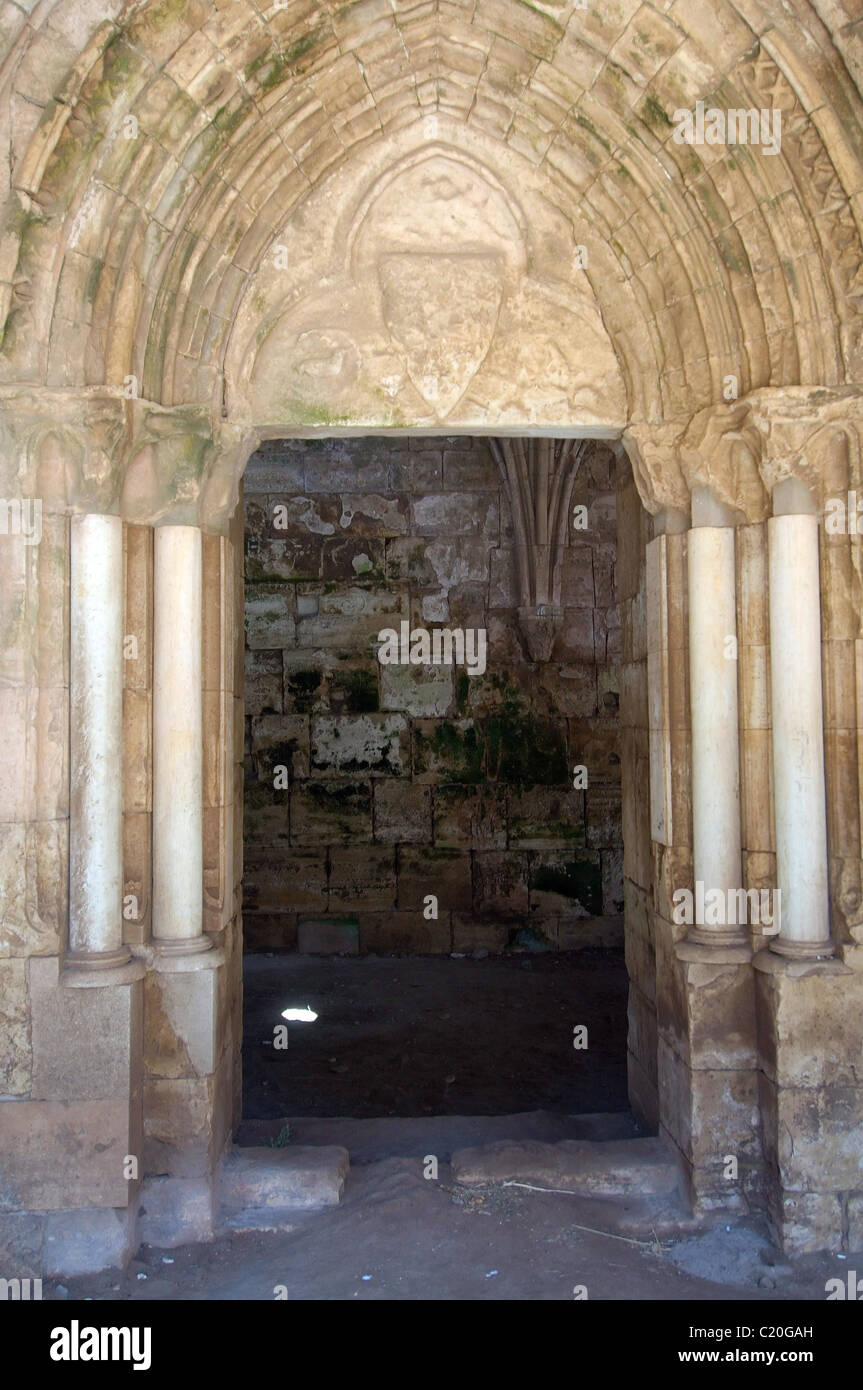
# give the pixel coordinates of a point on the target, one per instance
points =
(619, 1168)
(260, 1181)
(392, 1136)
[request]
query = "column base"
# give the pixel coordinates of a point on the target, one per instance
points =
(182, 946)
(97, 960)
(803, 950)
(101, 969)
(697, 951)
(719, 936)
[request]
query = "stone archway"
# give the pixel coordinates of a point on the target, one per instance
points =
(593, 275)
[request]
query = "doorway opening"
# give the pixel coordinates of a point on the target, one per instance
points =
(433, 861)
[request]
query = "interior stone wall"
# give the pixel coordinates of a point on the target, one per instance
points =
(405, 781)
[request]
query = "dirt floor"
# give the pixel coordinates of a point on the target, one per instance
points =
(432, 1035)
(397, 1236)
(462, 1046)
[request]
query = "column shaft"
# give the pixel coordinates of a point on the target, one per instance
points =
(177, 746)
(716, 849)
(798, 738)
(96, 744)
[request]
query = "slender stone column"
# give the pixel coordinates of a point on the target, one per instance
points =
(716, 847)
(797, 716)
(96, 745)
(177, 746)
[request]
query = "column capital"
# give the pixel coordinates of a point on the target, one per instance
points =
(98, 449)
(742, 449)
(653, 449)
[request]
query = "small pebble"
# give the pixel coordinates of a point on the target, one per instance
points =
(166, 1260)
(491, 1274)
(140, 1276)
(765, 1282)
(367, 1276)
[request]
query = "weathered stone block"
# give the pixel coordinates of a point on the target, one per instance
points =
(402, 812)
(467, 817)
(182, 1022)
(571, 690)
(265, 931)
(363, 877)
(708, 1114)
(444, 873)
(352, 558)
(612, 881)
(526, 751)
(362, 744)
(13, 761)
(806, 1221)
(466, 468)
(265, 815)
(328, 936)
(641, 963)
(706, 1012)
(363, 469)
(263, 682)
(175, 1211)
(297, 881)
(271, 561)
(576, 933)
(270, 622)
(810, 1026)
(575, 640)
(84, 1242)
(540, 817)
(448, 750)
(86, 1042)
(463, 560)
(405, 933)
(604, 817)
(280, 740)
(56, 1154)
(330, 812)
(813, 1135)
(423, 691)
(596, 746)
(500, 883)
(456, 514)
(15, 1051)
(370, 514)
(568, 882)
(624, 1167)
(179, 1126)
(470, 933)
(577, 577)
(297, 1177)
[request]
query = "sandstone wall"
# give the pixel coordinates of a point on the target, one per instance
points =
(405, 781)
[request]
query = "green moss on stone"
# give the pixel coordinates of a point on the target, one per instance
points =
(655, 113)
(457, 753)
(362, 692)
(589, 126)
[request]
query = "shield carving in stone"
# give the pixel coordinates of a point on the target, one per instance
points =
(441, 312)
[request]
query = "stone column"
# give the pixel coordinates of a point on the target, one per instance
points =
(797, 717)
(716, 842)
(96, 745)
(177, 743)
